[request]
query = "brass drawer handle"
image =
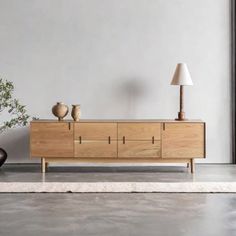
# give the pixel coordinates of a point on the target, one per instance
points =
(153, 139)
(123, 139)
(109, 140)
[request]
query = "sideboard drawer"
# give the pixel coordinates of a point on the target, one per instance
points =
(139, 149)
(95, 149)
(95, 131)
(139, 131)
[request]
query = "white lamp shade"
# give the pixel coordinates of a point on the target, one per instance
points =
(181, 75)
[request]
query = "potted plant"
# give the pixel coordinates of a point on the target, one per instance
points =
(16, 112)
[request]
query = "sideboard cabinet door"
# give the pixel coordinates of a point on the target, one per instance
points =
(183, 140)
(52, 139)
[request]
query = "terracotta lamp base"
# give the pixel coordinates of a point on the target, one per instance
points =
(181, 116)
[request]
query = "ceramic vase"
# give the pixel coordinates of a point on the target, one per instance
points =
(60, 110)
(75, 113)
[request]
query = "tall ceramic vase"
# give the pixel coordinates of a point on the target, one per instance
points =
(75, 113)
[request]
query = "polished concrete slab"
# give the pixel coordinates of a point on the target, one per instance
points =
(118, 214)
(88, 179)
(204, 173)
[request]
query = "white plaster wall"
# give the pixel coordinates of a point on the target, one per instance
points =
(116, 58)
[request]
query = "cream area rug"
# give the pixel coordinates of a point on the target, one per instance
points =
(117, 187)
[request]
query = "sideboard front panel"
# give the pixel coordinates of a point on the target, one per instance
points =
(139, 131)
(95, 131)
(138, 149)
(183, 140)
(95, 140)
(96, 149)
(52, 139)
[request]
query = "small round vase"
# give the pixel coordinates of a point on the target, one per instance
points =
(75, 113)
(60, 110)
(3, 156)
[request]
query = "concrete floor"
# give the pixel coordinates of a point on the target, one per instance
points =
(118, 214)
(130, 214)
(204, 173)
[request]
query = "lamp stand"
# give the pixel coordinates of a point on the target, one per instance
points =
(181, 113)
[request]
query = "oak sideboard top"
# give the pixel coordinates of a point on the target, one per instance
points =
(117, 121)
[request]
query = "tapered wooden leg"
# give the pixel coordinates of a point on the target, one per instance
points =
(43, 165)
(192, 162)
(46, 165)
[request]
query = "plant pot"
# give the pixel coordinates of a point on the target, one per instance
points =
(3, 156)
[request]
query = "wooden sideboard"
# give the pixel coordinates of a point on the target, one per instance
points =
(129, 141)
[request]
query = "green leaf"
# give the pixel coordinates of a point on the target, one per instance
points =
(15, 109)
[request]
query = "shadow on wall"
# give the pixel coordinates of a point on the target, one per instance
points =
(130, 92)
(16, 143)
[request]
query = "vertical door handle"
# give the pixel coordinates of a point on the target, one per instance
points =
(123, 139)
(80, 139)
(109, 140)
(153, 139)
(69, 125)
(164, 126)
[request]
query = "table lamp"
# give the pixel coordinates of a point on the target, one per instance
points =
(181, 77)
